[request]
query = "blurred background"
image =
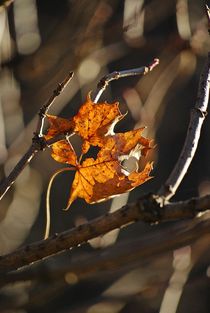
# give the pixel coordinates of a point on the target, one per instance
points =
(40, 42)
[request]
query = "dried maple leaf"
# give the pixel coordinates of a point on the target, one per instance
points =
(98, 180)
(63, 152)
(122, 143)
(92, 122)
(104, 177)
(58, 125)
(95, 120)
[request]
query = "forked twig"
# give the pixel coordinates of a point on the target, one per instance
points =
(104, 82)
(146, 209)
(38, 141)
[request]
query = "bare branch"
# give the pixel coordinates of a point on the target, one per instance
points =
(123, 256)
(8, 182)
(104, 82)
(38, 141)
(146, 209)
(44, 109)
(193, 134)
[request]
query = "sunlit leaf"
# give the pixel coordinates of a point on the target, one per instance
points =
(94, 120)
(106, 176)
(58, 125)
(63, 152)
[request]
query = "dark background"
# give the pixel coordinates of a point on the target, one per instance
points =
(40, 42)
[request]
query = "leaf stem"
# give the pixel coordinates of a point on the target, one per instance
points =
(48, 218)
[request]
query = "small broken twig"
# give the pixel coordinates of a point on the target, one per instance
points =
(104, 82)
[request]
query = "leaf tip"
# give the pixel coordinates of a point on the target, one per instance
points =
(73, 196)
(68, 206)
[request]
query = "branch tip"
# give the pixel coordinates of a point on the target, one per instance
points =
(154, 63)
(63, 84)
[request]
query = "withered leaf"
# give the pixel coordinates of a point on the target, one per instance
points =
(58, 125)
(104, 177)
(91, 123)
(123, 143)
(98, 180)
(95, 120)
(63, 152)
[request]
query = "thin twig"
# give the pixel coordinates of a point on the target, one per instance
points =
(193, 134)
(146, 209)
(8, 182)
(38, 141)
(44, 109)
(104, 82)
(100, 89)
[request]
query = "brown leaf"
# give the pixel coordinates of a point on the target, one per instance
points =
(95, 120)
(92, 123)
(123, 143)
(104, 177)
(100, 179)
(58, 125)
(63, 152)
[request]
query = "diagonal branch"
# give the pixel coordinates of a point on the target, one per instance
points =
(146, 209)
(38, 141)
(10, 179)
(123, 256)
(46, 106)
(198, 115)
